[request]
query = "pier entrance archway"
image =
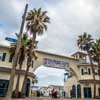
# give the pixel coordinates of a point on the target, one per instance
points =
(56, 61)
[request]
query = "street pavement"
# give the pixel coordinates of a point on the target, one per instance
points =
(48, 98)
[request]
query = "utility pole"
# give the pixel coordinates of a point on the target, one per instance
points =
(14, 63)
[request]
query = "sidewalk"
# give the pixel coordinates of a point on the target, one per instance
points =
(47, 98)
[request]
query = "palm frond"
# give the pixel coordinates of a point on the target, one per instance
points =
(95, 51)
(37, 19)
(39, 11)
(84, 41)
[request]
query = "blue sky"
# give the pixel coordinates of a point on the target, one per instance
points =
(69, 18)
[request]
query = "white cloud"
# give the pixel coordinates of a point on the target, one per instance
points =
(17, 6)
(44, 71)
(46, 78)
(69, 18)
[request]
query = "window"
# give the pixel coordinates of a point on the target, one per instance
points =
(82, 71)
(89, 71)
(11, 57)
(73, 91)
(3, 56)
(78, 91)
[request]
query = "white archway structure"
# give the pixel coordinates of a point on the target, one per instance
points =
(56, 61)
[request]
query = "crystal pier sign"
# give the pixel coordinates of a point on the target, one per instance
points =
(54, 63)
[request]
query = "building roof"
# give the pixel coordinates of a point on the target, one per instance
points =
(79, 52)
(72, 58)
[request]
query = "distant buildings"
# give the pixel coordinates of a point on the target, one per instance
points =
(46, 91)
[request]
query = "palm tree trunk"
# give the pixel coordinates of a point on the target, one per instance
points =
(11, 82)
(21, 59)
(99, 75)
(12, 75)
(24, 82)
(93, 73)
(18, 79)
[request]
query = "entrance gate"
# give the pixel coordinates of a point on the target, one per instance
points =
(3, 87)
(56, 61)
(87, 92)
(27, 88)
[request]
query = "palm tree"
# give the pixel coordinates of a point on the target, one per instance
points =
(95, 52)
(24, 45)
(36, 24)
(28, 60)
(14, 64)
(84, 42)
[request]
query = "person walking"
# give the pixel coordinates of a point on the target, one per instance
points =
(52, 92)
